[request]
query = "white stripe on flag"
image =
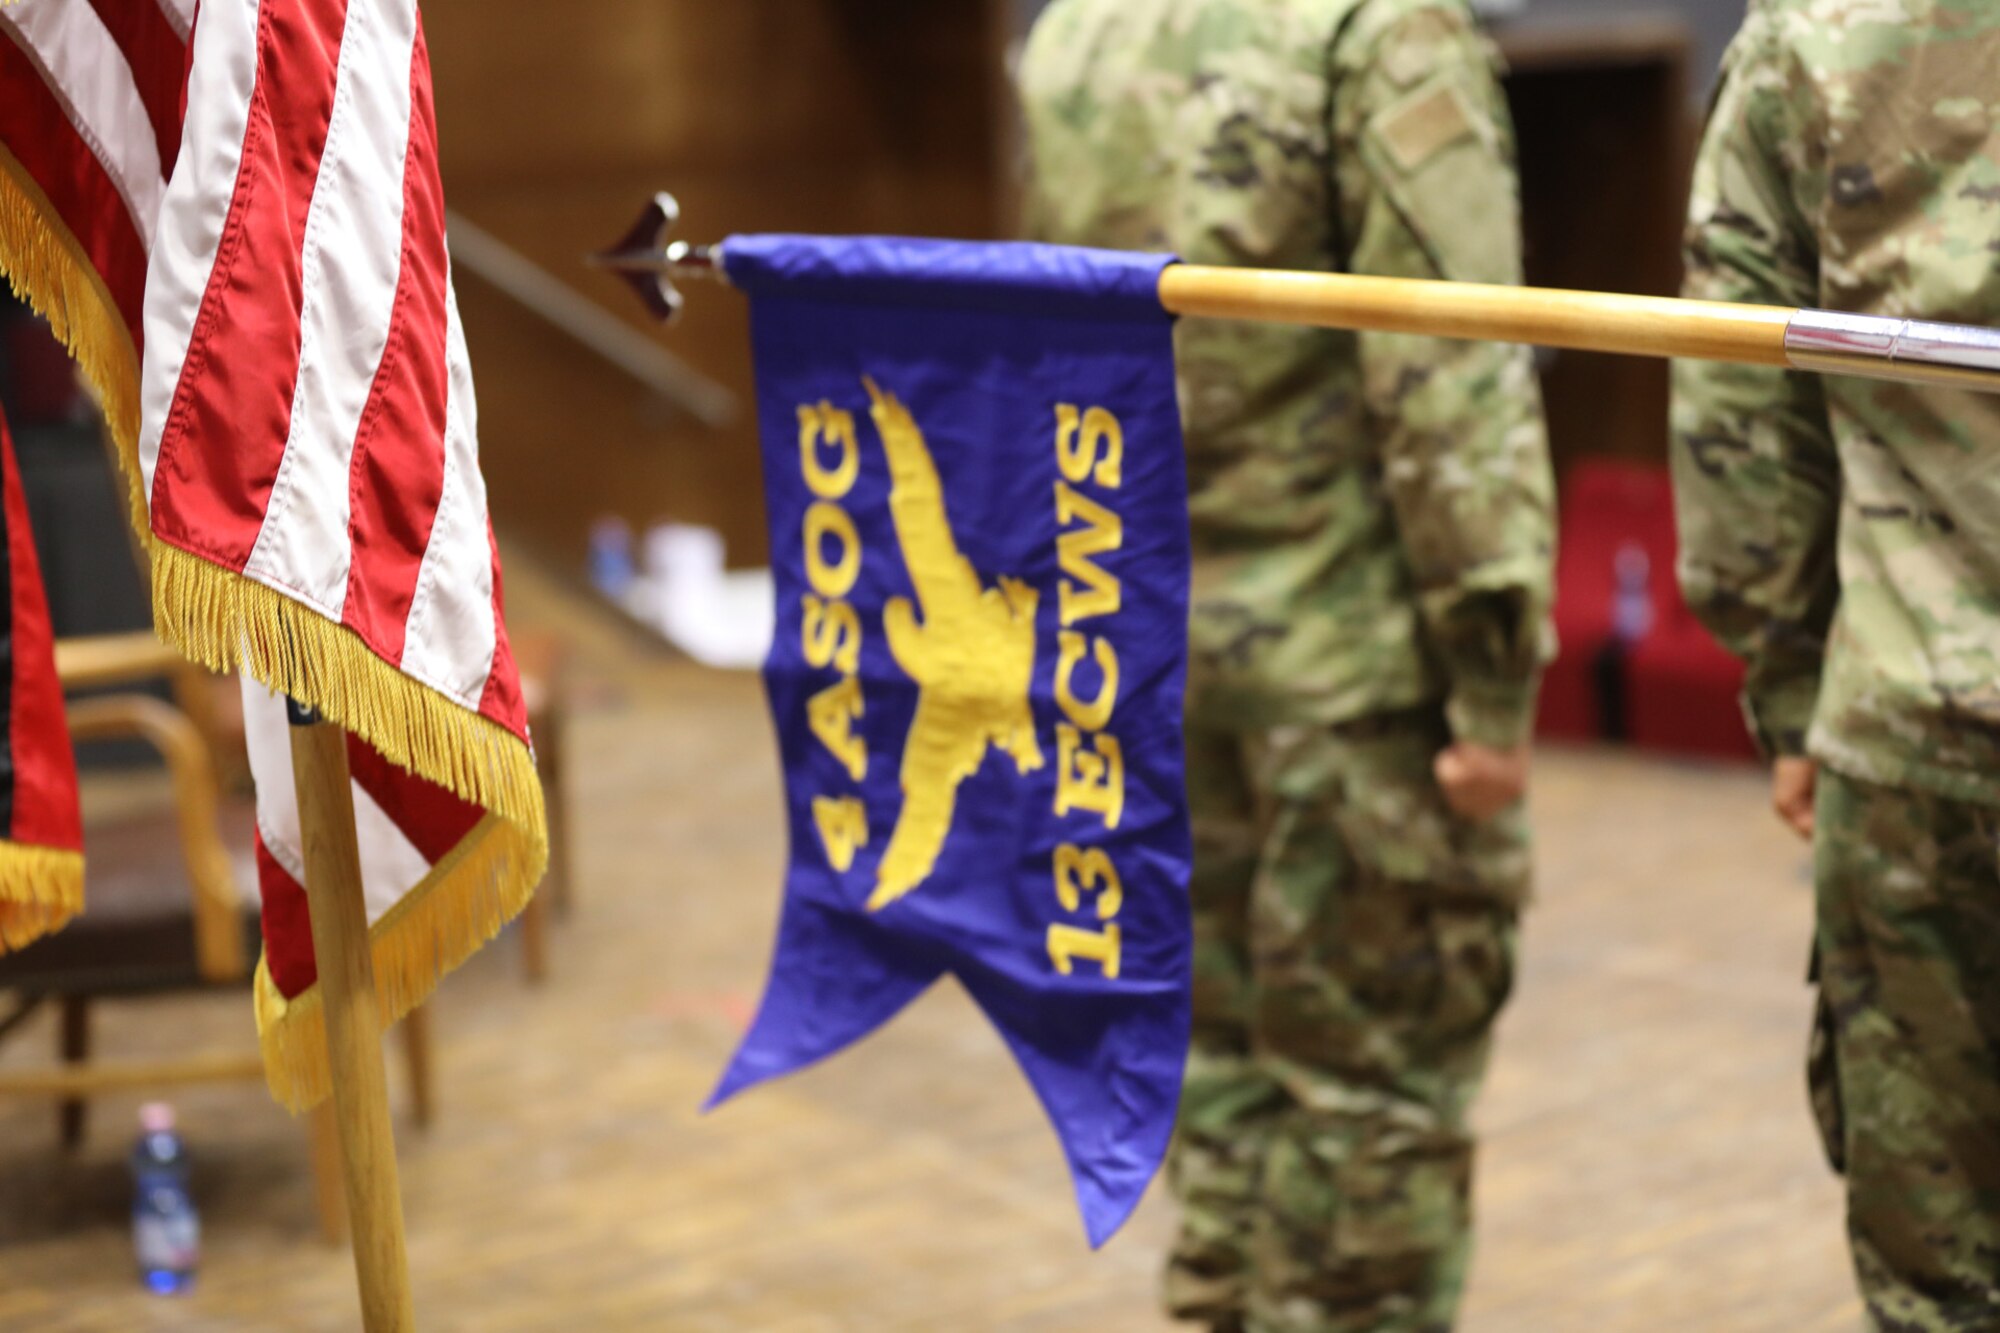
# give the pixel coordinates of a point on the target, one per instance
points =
(180, 14)
(450, 636)
(195, 207)
(352, 254)
(391, 865)
(86, 71)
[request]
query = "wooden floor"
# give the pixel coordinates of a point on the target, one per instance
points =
(1649, 1163)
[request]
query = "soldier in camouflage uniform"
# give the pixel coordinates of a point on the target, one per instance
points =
(1372, 543)
(1843, 537)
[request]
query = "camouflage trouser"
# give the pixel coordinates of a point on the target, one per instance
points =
(1353, 943)
(1905, 1066)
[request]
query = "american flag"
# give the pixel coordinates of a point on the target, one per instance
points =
(41, 826)
(233, 218)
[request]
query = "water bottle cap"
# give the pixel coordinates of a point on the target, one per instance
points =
(1632, 563)
(156, 1118)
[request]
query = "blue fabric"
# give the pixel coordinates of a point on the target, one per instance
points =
(980, 344)
(1020, 279)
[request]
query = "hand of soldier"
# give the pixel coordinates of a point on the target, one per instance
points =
(1479, 781)
(1793, 779)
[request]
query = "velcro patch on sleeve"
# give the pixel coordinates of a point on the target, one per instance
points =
(1421, 126)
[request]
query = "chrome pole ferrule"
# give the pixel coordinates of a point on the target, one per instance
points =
(1908, 350)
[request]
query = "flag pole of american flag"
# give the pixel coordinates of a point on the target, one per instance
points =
(232, 217)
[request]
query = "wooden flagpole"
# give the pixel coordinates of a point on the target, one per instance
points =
(353, 1021)
(1586, 321)
(1828, 342)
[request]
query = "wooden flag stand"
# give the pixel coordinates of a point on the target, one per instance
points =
(353, 1021)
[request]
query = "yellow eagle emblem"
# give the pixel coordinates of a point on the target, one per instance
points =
(969, 648)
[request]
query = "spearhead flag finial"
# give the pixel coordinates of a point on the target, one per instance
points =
(649, 262)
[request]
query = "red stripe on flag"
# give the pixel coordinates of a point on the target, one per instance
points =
(501, 701)
(37, 131)
(287, 924)
(232, 411)
(397, 472)
(434, 820)
(158, 59)
(44, 796)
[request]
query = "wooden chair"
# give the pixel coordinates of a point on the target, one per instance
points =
(143, 933)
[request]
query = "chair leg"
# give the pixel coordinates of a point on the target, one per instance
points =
(559, 882)
(417, 1055)
(535, 938)
(329, 1197)
(74, 1038)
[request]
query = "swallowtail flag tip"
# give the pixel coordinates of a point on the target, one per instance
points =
(976, 492)
(172, 203)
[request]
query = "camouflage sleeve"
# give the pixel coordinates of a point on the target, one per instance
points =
(1423, 167)
(1756, 478)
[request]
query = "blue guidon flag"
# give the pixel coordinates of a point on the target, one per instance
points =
(978, 507)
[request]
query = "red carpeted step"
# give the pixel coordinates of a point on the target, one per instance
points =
(1674, 688)
(1683, 695)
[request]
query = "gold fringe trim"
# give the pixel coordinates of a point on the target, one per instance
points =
(46, 267)
(41, 888)
(225, 621)
(479, 887)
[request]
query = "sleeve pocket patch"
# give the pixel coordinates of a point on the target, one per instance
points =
(1420, 127)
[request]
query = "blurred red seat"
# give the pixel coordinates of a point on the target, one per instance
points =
(1678, 686)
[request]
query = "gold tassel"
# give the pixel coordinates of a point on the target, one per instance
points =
(41, 888)
(475, 890)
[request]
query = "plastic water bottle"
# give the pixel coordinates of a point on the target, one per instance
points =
(611, 567)
(166, 1233)
(1631, 621)
(1632, 602)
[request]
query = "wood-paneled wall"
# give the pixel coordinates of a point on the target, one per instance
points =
(1600, 107)
(556, 122)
